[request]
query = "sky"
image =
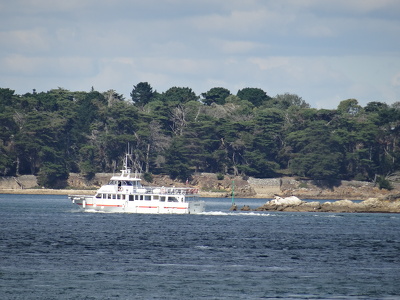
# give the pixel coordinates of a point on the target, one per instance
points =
(325, 51)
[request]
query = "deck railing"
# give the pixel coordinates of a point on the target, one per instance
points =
(150, 190)
(166, 190)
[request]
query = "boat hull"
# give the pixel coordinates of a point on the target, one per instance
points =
(90, 203)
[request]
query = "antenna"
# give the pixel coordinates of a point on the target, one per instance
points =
(126, 169)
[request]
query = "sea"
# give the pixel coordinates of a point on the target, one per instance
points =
(50, 249)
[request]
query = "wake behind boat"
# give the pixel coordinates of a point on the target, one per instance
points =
(125, 193)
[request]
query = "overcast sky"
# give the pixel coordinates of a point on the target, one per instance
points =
(325, 51)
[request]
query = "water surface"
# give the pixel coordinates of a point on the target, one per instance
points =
(51, 250)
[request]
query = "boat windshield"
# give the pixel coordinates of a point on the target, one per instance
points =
(125, 183)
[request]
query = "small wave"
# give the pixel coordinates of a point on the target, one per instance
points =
(202, 247)
(221, 213)
(94, 211)
(74, 210)
(327, 216)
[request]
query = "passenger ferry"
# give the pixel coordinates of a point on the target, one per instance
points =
(124, 193)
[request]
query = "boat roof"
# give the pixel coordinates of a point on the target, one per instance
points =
(126, 172)
(127, 175)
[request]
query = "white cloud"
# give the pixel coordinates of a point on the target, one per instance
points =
(343, 6)
(42, 67)
(28, 40)
(236, 46)
(238, 22)
(325, 51)
(396, 80)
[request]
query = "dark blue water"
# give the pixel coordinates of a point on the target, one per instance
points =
(50, 250)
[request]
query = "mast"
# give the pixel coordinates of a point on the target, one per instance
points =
(233, 192)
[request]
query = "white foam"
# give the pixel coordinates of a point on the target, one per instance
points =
(221, 213)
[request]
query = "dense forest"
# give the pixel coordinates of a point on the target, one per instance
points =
(177, 132)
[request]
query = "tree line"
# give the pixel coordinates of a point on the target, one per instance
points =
(176, 132)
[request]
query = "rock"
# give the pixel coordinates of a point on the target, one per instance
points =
(280, 203)
(340, 206)
(245, 208)
(233, 207)
(311, 206)
(292, 200)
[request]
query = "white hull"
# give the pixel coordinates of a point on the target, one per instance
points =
(90, 203)
(125, 194)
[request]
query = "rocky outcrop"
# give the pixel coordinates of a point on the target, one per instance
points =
(317, 189)
(18, 183)
(209, 182)
(341, 206)
(245, 208)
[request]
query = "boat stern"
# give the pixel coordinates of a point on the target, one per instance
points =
(196, 207)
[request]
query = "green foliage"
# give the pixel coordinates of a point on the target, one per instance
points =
(349, 106)
(148, 177)
(177, 95)
(315, 152)
(88, 163)
(142, 93)
(383, 183)
(254, 95)
(52, 175)
(287, 100)
(6, 98)
(6, 162)
(303, 185)
(249, 134)
(216, 95)
(220, 176)
(177, 160)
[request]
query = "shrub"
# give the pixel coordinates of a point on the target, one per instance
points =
(383, 183)
(360, 177)
(303, 185)
(148, 177)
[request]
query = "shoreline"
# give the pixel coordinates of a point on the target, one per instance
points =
(90, 192)
(46, 192)
(210, 186)
(370, 205)
(202, 194)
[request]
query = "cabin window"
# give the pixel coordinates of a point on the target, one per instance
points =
(172, 199)
(147, 197)
(109, 196)
(141, 197)
(98, 196)
(136, 197)
(123, 197)
(162, 199)
(130, 197)
(119, 196)
(156, 197)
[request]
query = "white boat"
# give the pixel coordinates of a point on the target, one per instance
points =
(124, 193)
